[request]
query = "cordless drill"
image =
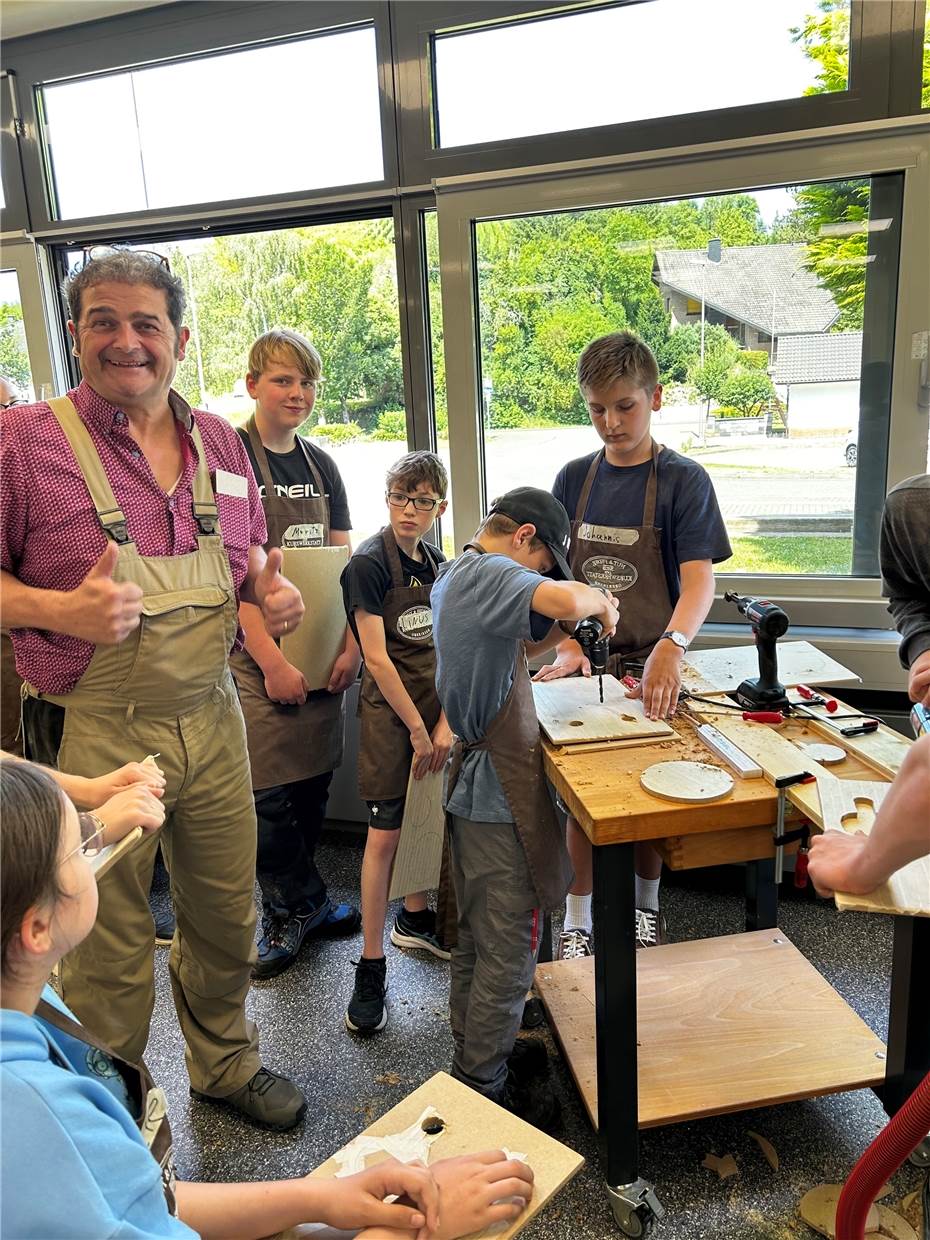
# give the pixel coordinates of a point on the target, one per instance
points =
(594, 647)
(769, 622)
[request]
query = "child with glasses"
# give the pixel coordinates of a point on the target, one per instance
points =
(86, 1146)
(386, 588)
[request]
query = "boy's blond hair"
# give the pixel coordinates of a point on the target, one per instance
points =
(620, 355)
(499, 526)
(417, 467)
(283, 346)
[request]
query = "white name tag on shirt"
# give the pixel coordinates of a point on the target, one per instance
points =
(231, 484)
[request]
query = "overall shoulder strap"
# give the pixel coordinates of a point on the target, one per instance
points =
(109, 513)
(206, 513)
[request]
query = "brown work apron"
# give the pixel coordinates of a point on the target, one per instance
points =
(385, 752)
(148, 1099)
(10, 698)
(514, 743)
(626, 561)
(289, 743)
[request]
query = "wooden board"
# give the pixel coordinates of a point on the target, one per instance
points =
(319, 638)
(108, 856)
(570, 711)
(687, 781)
(690, 852)
(720, 671)
(724, 1024)
(418, 859)
(779, 759)
(473, 1123)
(883, 750)
(907, 891)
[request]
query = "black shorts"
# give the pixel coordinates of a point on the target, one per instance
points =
(386, 815)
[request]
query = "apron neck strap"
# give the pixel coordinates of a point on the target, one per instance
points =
(109, 513)
(649, 505)
(588, 484)
(311, 465)
(261, 456)
(393, 558)
(60, 1020)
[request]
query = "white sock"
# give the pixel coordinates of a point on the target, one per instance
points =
(578, 913)
(647, 893)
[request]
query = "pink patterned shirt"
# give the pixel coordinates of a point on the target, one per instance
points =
(50, 533)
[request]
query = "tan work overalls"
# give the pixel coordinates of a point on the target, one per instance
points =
(626, 561)
(148, 1099)
(166, 689)
(288, 743)
(514, 743)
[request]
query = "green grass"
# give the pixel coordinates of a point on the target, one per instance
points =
(792, 554)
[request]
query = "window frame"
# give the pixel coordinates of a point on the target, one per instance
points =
(185, 32)
(696, 171)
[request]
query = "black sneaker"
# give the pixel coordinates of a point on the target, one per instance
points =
(534, 1102)
(533, 1013)
(282, 938)
(650, 928)
(528, 1061)
(268, 1099)
(418, 931)
(367, 1011)
(165, 926)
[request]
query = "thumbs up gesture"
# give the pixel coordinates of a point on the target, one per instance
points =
(280, 601)
(101, 610)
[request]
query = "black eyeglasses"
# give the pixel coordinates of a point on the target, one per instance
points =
(8, 404)
(422, 503)
(107, 251)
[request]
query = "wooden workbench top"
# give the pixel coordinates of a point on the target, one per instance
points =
(602, 790)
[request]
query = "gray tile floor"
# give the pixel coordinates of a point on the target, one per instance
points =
(302, 1034)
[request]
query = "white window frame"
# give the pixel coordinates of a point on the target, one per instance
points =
(812, 155)
(19, 253)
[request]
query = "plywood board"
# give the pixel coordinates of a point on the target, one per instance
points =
(721, 671)
(472, 1123)
(320, 636)
(850, 805)
(687, 781)
(418, 859)
(570, 711)
(724, 1024)
(779, 759)
(884, 750)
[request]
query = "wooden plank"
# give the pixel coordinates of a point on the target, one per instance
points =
(418, 859)
(799, 663)
(108, 856)
(608, 746)
(883, 751)
(570, 711)
(690, 852)
(839, 797)
(473, 1123)
(724, 1024)
(779, 759)
(319, 638)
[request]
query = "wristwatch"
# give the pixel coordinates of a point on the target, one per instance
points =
(678, 638)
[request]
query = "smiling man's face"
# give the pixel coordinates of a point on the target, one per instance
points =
(128, 348)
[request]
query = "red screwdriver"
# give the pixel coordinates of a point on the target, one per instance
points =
(817, 699)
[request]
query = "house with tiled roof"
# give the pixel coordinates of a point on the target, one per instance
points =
(756, 292)
(819, 373)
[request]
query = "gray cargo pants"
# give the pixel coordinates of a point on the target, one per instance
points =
(495, 957)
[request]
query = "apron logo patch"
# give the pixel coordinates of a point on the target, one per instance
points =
(609, 573)
(303, 535)
(608, 534)
(416, 623)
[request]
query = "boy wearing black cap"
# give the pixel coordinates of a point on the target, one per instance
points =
(509, 862)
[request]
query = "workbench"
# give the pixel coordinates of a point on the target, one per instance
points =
(687, 1030)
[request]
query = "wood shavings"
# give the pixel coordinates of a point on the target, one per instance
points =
(768, 1149)
(388, 1078)
(725, 1166)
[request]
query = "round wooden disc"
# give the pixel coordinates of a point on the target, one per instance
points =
(820, 751)
(686, 781)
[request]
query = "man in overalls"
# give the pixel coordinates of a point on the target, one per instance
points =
(646, 527)
(295, 736)
(131, 528)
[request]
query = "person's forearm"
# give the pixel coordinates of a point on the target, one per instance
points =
(350, 645)
(567, 600)
(28, 607)
(392, 688)
(248, 1211)
(258, 641)
(901, 831)
(692, 607)
(75, 787)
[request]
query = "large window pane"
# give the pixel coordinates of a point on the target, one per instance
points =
(633, 62)
(279, 119)
(14, 359)
(337, 285)
(754, 305)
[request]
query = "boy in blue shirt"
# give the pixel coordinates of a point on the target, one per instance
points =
(509, 864)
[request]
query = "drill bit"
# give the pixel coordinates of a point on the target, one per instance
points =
(600, 687)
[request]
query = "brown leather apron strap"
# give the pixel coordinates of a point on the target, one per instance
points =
(261, 456)
(588, 484)
(109, 513)
(393, 558)
(652, 487)
(314, 472)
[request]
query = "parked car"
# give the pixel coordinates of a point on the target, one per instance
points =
(851, 449)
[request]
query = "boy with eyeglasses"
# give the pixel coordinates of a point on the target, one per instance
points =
(386, 589)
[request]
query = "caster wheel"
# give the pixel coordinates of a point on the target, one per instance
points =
(636, 1213)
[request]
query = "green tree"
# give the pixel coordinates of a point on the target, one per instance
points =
(720, 357)
(748, 391)
(14, 360)
(836, 255)
(824, 35)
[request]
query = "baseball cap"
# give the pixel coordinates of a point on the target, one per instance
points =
(531, 506)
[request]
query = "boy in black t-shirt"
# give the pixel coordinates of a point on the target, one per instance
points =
(386, 588)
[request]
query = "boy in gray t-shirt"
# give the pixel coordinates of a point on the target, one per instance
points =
(490, 606)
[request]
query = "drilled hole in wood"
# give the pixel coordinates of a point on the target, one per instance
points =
(576, 723)
(433, 1125)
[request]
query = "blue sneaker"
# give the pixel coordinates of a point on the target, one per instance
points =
(283, 937)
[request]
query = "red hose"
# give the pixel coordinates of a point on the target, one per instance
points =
(900, 1137)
